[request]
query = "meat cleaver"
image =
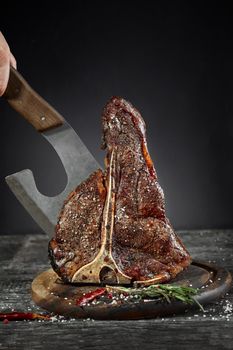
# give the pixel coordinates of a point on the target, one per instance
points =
(75, 157)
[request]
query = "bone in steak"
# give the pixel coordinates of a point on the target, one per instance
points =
(113, 226)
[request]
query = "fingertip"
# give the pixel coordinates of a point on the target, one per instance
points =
(13, 61)
(4, 76)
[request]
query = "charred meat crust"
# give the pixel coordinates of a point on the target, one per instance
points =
(144, 244)
(77, 234)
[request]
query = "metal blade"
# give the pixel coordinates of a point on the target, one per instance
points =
(78, 163)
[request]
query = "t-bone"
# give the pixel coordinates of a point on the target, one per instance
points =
(113, 227)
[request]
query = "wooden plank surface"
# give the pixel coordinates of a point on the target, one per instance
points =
(23, 257)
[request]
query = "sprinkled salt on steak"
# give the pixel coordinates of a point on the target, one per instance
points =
(77, 238)
(141, 243)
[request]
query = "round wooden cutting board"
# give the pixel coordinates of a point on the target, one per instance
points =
(50, 293)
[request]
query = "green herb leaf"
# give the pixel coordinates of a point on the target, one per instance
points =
(165, 291)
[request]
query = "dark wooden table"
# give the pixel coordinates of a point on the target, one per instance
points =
(24, 256)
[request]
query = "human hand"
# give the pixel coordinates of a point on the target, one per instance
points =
(6, 59)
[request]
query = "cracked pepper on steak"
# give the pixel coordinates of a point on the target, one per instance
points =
(144, 244)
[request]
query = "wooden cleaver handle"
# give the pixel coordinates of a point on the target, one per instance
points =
(29, 104)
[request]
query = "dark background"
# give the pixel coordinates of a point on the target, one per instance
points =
(173, 62)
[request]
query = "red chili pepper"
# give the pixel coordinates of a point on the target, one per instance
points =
(109, 295)
(90, 296)
(15, 316)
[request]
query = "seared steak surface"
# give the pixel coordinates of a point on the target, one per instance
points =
(143, 244)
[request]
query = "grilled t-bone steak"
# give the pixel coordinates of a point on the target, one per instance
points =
(113, 226)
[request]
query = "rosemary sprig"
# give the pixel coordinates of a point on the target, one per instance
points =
(166, 291)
